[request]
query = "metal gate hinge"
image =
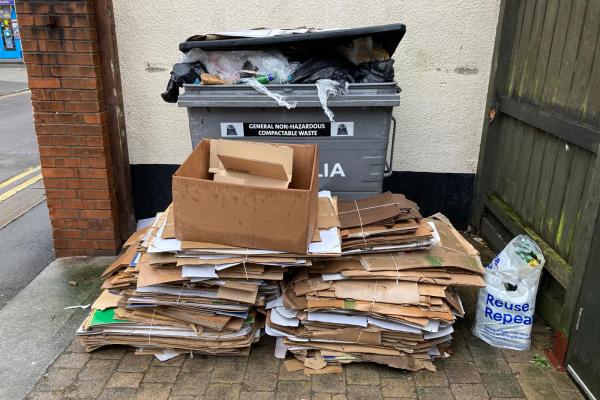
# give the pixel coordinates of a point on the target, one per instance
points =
(578, 319)
(491, 115)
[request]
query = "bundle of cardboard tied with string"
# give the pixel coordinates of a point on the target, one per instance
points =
(390, 299)
(170, 292)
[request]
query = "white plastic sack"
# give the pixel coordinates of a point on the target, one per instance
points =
(505, 307)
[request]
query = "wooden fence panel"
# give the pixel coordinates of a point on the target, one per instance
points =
(540, 152)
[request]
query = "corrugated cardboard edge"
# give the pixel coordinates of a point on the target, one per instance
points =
(308, 231)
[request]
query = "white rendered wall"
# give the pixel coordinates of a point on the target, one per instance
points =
(442, 65)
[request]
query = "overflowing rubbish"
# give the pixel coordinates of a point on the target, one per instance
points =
(249, 247)
(264, 57)
(326, 88)
(506, 305)
(182, 73)
(280, 99)
(236, 66)
(315, 69)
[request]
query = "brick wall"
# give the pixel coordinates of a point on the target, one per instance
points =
(61, 52)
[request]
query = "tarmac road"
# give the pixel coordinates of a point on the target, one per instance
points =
(25, 233)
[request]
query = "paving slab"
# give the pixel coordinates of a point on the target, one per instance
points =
(35, 328)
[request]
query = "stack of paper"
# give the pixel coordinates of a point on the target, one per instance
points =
(395, 308)
(164, 295)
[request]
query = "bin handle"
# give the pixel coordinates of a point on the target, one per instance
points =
(388, 164)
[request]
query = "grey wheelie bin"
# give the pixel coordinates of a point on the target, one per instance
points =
(353, 150)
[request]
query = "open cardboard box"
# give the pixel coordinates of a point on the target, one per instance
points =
(251, 163)
(247, 216)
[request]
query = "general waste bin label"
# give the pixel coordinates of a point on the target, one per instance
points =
(287, 129)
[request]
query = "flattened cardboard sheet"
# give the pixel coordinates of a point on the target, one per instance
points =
(376, 291)
(357, 213)
(106, 300)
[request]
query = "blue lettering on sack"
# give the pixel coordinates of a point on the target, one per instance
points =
(506, 318)
(494, 263)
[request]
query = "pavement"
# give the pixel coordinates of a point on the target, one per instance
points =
(13, 78)
(35, 327)
(25, 232)
(475, 370)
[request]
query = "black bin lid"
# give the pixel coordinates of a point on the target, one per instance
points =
(389, 36)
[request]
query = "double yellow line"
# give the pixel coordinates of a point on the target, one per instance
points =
(23, 185)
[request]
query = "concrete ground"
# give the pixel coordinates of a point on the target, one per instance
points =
(13, 78)
(25, 233)
(475, 371)
(37, 324)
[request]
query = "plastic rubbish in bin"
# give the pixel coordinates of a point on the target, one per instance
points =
(360, 55)
(375, 72)
(182, 73)
(326, 88)
(209, 79)
(339, 69)
(254, 68)
(280, 99)
(310, 71)
(234, 65)
(505, 307)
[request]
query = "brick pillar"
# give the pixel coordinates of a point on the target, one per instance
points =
(61, 52)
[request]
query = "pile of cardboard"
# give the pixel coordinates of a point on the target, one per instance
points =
(384, 222)
(167, 296)
(250, 245)
(377, 303)
(159, 303)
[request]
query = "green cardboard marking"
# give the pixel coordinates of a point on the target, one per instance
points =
(435, 261)
(103, 317)
(349, 304)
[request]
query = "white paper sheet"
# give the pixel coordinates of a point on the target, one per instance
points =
(336, 318)
(287, 313)
(441, 332)
(280, 348)
(198, 271)
(330, 242)
(211, 294)
(167, 354)
(160, 245)
(281, 320)
(144, 222)
(393, 326)
(278, 302)
(338, 276)
(269, 330)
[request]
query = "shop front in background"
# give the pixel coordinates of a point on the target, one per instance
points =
(10, 49)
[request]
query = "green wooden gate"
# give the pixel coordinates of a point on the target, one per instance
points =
(539, 170)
